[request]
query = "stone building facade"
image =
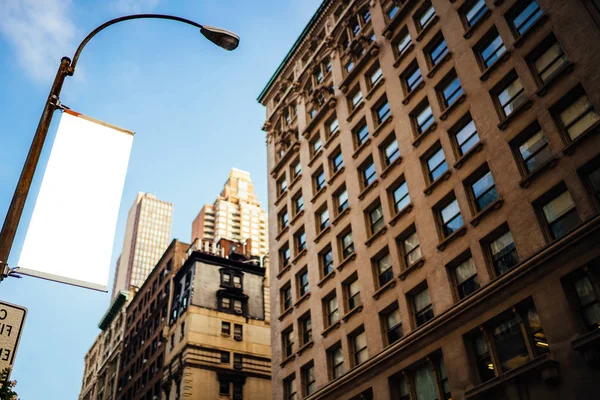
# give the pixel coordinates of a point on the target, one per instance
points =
(434, 198)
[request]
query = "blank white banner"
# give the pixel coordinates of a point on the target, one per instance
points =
(71, 233)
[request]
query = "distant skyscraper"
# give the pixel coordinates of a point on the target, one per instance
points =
(146, 238)
(236, 215)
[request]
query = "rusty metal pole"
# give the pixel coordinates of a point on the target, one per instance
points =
(15, 210)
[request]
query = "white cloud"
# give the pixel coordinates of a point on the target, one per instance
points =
(41, 31)
(134, 6)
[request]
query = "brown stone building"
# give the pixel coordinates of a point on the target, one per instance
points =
(143, 352)
(434, 201)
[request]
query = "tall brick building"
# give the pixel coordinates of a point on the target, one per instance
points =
(434, 201)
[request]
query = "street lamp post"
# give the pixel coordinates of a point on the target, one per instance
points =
(222, 38)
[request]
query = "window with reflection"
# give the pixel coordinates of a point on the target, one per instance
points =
(474, 11)
(450, 217)
(436, 164)
(523, 15)
(400, 196)
(547, 59)
(465, 134)
(411, 77)
(532, 149)
(575, 114)
(503, 253)
(559, 212)
(483, 189)
(326, 260)
(490, 48)
(392, 323)
(361, 133)
(465, 275)
(436, 50)
(423, 118)
(383, 268)
(422, 308)
(583, 292)
(360, 353)
(510, 95)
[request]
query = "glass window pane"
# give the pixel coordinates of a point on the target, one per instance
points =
(465, 270)
(501, 243)
(384, 263)
(476, 12)
(512, 97)
(427, 16)
(483, 184)
(404, 42)
(510, 344)
(493, 50)
(527, 17)
(452, 91)
(424, 119)
(467, 137)
(422, 300)
(425, 386)
(393, 318)
(411, 242)
(558, 207)
(450, 211)
(550, 61)
(436, 159)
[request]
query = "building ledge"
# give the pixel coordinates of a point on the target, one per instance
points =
(587, 341)
(551, 163)
(285, 313)
(375, 88)
(398, 18)
(469, 32)
(386, 122)
(284, 270)
(461, 99)
(316, 196)
(297, 217)
(438, 66)
(412, 93)
(470, 153)
(488, 210)
(299, 256)
(427, 28)
(518, 111)
(293, 149)
(368, 189)
(113, 310)
(356, 109)
(444, 177)
(352, 312)
(296, 179)
(449, 239)
(370, 51)
(486, 74)
(283, 232)
(534, 27)
(361, 147)
(570, 148)
(332, 138)
(418, 264)
(566, 69)
(408, 208)
(304, 348)
(423, 134)
(403, 55)
(326, 278)
(301, 299)
(339, 217)
(322, 233)
(347, 261)
(281, 197)
(384, 288)
(315, 157)
(331, 328)
(287, 360)
(390, 167)
(336, 174)
(376, 235)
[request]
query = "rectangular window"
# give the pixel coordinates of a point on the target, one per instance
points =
(436, 164)
(225, 357)
(326, 258)
(337, 161)
(300, 239)
(347, 245)
(533, 149)
(560, 214)
(391, 152)
(306, 329)
(423, 381)
(503, 253)
(225, 328)
(383, 269)
(286, 297)
(376, 221)
(548, 59)
(341, 200)
(322, 219)
(355, 98)
(575, 114)
(331, 310)
(591, 177)
(283, 223)
(422, 307)
(475, 11)
(308, 377)
(284, 256)
(584, 294)
(483, 189)
(466, 278)
(425, 16)
(510, 95)
(281, 185)
(450, 90)
(465, 134)
(392, 325)
(368, 173)
(333, 126)
(411, 77)
(423, 118)
(400, 196)
(359, 347)
(298, 204)
(375, 75)
(382, 110)
(403, 42)
(316, 145)
(287, 339)
(303, 283)
(336, 361)
(353, 294)
(319, 180)
(450, 217)
(238, 331)
(437, 50)
(349, 66)
(224, 388)
(289, 388)
(524, 15)
(361, 133)
(490, 48)
(411, 249)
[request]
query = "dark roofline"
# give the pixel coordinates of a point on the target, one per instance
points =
(287, 58)
(113, 309)
(222, 262)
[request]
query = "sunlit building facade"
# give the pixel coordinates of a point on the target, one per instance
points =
(434, 198)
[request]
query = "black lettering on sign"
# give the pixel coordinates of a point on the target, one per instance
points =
(4, 354)
(5, 329)
(3, 313)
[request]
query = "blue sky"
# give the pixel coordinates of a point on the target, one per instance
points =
(193, 108)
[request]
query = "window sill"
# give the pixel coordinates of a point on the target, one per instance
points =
(469, 32)
(570, 148)
(326, 278)
(284, 270)
(387, 121)
(411, 94)
(587, 341)
(518, 111)
(322, 234)
(301, 299)
(542, 366)
(470, 153)
(418, 264)
(329, 104)
(315, 157)
(331, 138)
(283, 232)
(297, 217)
(299, 256)
(449, 239)
(551, 163)
(399, 17)
(384, 288)
(491, 207)
(368, 189)
(336, 174)
(437, 66)
(285, 313)
(444, 177)
(296, 179)
(486, 74)
(360, 148)
(331, 328)
(339, 217)
(287, 360)
(347, 261)
(390, 167)
(376, 235)
(536, 25)
(304, 348)
(408, 208)
(427, 28)
(352, 312)
(356, 110)
(316, 196)
(293, 149)
(420, 138)
(281, 197)
(566, 69)
(377, 85)
(371, 51)
(453, 106)
(403, 55)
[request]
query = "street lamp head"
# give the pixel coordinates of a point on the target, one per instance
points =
(221, 37)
